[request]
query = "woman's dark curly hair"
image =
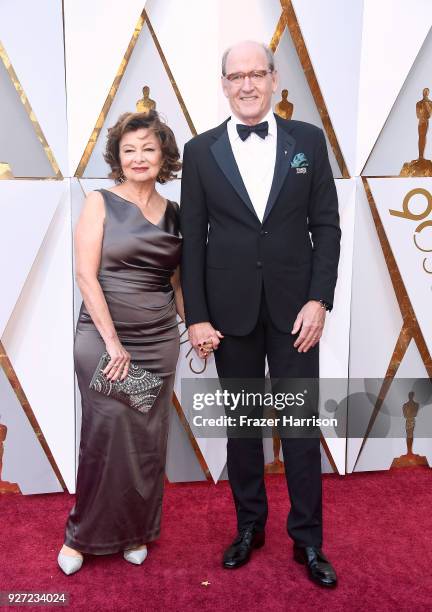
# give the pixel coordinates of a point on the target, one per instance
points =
(130, 122)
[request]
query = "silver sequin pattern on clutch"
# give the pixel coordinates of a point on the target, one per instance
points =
(138, 390)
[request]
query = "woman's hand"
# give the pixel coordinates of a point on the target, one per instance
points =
(204, 338)
(118, 367)
(205, 349)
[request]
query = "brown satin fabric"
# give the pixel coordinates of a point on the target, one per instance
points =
(122, 452)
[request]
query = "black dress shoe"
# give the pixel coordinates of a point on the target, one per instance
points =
(240, 550)
(319, 567)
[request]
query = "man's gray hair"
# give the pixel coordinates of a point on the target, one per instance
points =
(268, 52)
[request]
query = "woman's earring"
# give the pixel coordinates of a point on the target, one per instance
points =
(122, 177)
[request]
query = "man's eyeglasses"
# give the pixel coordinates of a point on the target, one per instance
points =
(255, 76)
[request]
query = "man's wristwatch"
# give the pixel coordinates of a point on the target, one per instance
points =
(325, 305)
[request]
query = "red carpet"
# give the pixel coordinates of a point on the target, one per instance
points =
(378, 530)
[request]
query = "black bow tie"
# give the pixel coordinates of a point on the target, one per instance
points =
(244, 131)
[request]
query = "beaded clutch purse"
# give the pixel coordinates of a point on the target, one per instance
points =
(138, 390)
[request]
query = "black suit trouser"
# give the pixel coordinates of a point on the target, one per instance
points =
(244, 357)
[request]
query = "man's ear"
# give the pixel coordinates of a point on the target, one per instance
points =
(224, 87)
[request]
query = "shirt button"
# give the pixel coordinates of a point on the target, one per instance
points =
(259, 264)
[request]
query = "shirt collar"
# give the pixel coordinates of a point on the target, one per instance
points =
(234, 121)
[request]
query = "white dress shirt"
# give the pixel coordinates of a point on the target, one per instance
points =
(256, 158)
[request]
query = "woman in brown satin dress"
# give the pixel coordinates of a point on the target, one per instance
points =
(127, 254)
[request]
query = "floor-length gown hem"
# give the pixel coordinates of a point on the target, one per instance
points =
(105, 549)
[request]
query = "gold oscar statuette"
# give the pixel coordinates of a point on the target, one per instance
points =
(421, 166)
(145, 104)
(5, 487)
(284, 108)
(5, 171)
(410, 459)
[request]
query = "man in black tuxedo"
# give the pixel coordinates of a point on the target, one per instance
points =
(261, 236)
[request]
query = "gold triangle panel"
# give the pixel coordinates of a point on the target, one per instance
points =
(410, 328)
(36, 126)
(288, 20)
(143, 19)
(8, 369)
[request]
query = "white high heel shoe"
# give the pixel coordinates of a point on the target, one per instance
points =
(135, 556)
(69, 564)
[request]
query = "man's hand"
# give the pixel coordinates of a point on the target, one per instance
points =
(199, 333)
(310, 320)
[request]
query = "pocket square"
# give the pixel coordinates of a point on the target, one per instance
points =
(299, 161)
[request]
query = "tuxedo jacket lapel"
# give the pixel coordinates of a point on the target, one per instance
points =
(224, 156)
(225, 159)
(284, 152)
